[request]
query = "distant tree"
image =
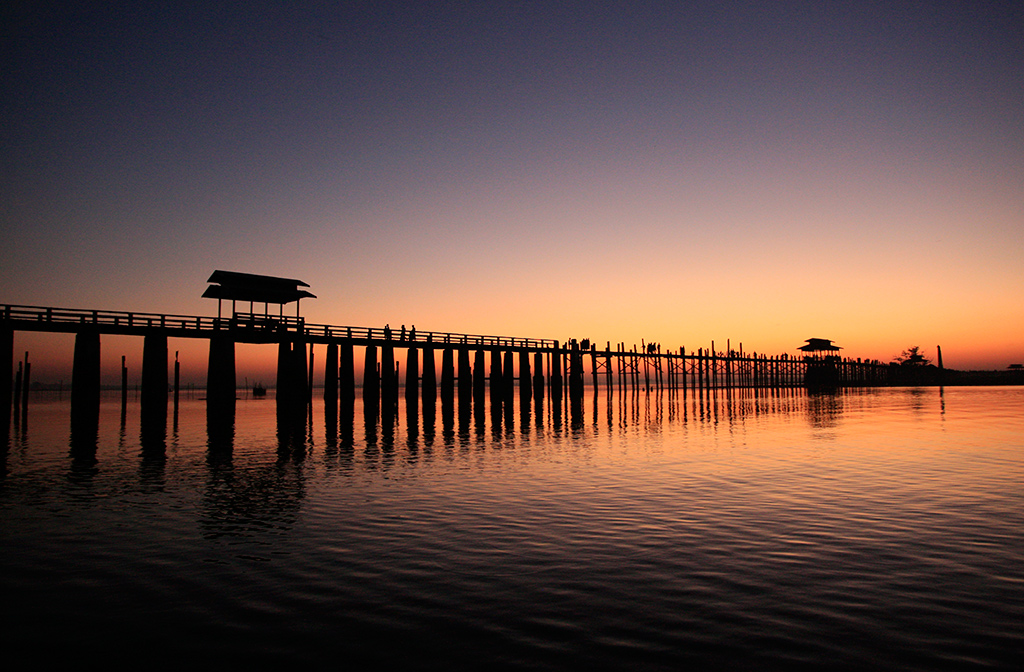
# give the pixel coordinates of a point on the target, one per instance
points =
(912, 357)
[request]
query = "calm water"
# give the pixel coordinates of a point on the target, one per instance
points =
(872, 529)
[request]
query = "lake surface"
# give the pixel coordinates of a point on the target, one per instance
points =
(871, 529)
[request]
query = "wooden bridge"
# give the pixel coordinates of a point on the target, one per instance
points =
(472, 365)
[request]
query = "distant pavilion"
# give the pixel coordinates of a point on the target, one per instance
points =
(814, 347)
(265, 289)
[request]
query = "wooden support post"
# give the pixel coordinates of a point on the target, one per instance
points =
(346, 373)
(428, 377)
(85, 387)
(308, 376)
(6, 370)
(371, 382)
(283, 387)
(608, 367)
(300, 371)
(495, 373)
(479, 379)
(447, 376)
(26, 384)
(154, 382)
(647, 367)
(388, 388)
(331, 380)
(17, 389)
(556, 373)
(220, 378)
(525, 379)
(412, 375)
(177, 380)
(124, 383)
(575, 371)
(508, 376)
(465, 376)
(538, 376)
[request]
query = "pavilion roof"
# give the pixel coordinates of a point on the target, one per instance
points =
(234, 286)
(819, 345)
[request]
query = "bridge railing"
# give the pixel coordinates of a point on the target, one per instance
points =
(255, 322)
(400, 337)
(110, 318)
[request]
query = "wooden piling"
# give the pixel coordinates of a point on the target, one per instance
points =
(447, 376)
(177, 380)
(371, 381)
(495, 372)
(556, 373)
(465, 377)
(346, 373)
(608, 367)
(412, 375)
(525, 379)
(6, 371)
(154, 380)
(428, 377)
(17, 388)
(575, 371)
(478, 378)
(85, 385)
(331, 379)
(220, 378)
(388, 388)
(538, 376)
(124, 383)
(26, 383)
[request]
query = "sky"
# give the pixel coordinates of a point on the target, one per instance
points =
(677, 172)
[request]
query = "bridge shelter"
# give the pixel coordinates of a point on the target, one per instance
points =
(265, 289)
(819, 348)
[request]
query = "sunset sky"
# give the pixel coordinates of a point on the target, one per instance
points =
(678, 172)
